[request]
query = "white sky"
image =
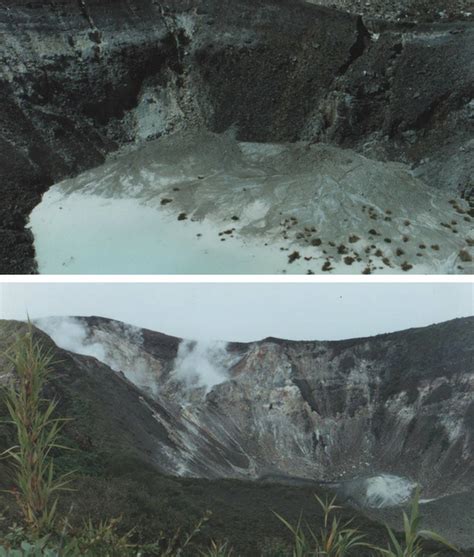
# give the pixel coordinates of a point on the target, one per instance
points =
(247, 311)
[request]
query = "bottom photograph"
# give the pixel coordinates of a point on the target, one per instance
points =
(246, 419)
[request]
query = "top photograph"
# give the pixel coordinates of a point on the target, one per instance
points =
(321, 137)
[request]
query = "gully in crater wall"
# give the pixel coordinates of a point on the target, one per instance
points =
(82, 80)
(396, 404)
(165, 424)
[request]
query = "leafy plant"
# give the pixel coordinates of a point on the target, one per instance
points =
(37, 432)
(412, 545)
(29, 549)
(90, 540)
(335, 539)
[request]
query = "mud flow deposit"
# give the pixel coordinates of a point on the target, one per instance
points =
(207, 204)
(236, 136)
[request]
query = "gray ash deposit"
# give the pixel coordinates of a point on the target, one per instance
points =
(83, 80)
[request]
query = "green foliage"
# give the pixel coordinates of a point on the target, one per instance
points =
(102, 540)
(17, 543)
(334, 539)
(97, 540)
(29, 549)
(37, 431)
(412, 545)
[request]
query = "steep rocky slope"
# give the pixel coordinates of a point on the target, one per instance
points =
(81, 79)
(399, 403)
(396, 408)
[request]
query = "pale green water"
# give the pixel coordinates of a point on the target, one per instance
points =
(329, 205)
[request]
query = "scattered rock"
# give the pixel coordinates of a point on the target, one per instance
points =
(294, 256)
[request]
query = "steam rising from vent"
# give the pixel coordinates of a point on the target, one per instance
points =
(202, 363)
(198, 364)
(117, 345)
(70, 334)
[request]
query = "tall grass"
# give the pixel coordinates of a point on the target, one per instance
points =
(337, 539)
(37, 432)
(412, 544)
(334, 539)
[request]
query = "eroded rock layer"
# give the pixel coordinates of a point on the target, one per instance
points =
(80, 79)
(397, 404)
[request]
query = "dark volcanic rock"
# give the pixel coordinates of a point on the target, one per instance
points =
(74, 72)
(399, 403)
(405, 10)
(296, 413)
(81, 79)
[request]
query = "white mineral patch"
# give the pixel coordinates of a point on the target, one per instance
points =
(191, 204)
(387, 490)
(382, 490)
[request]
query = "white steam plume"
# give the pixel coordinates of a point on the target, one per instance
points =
(117, 345)
(70, 334)
(202, 363)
